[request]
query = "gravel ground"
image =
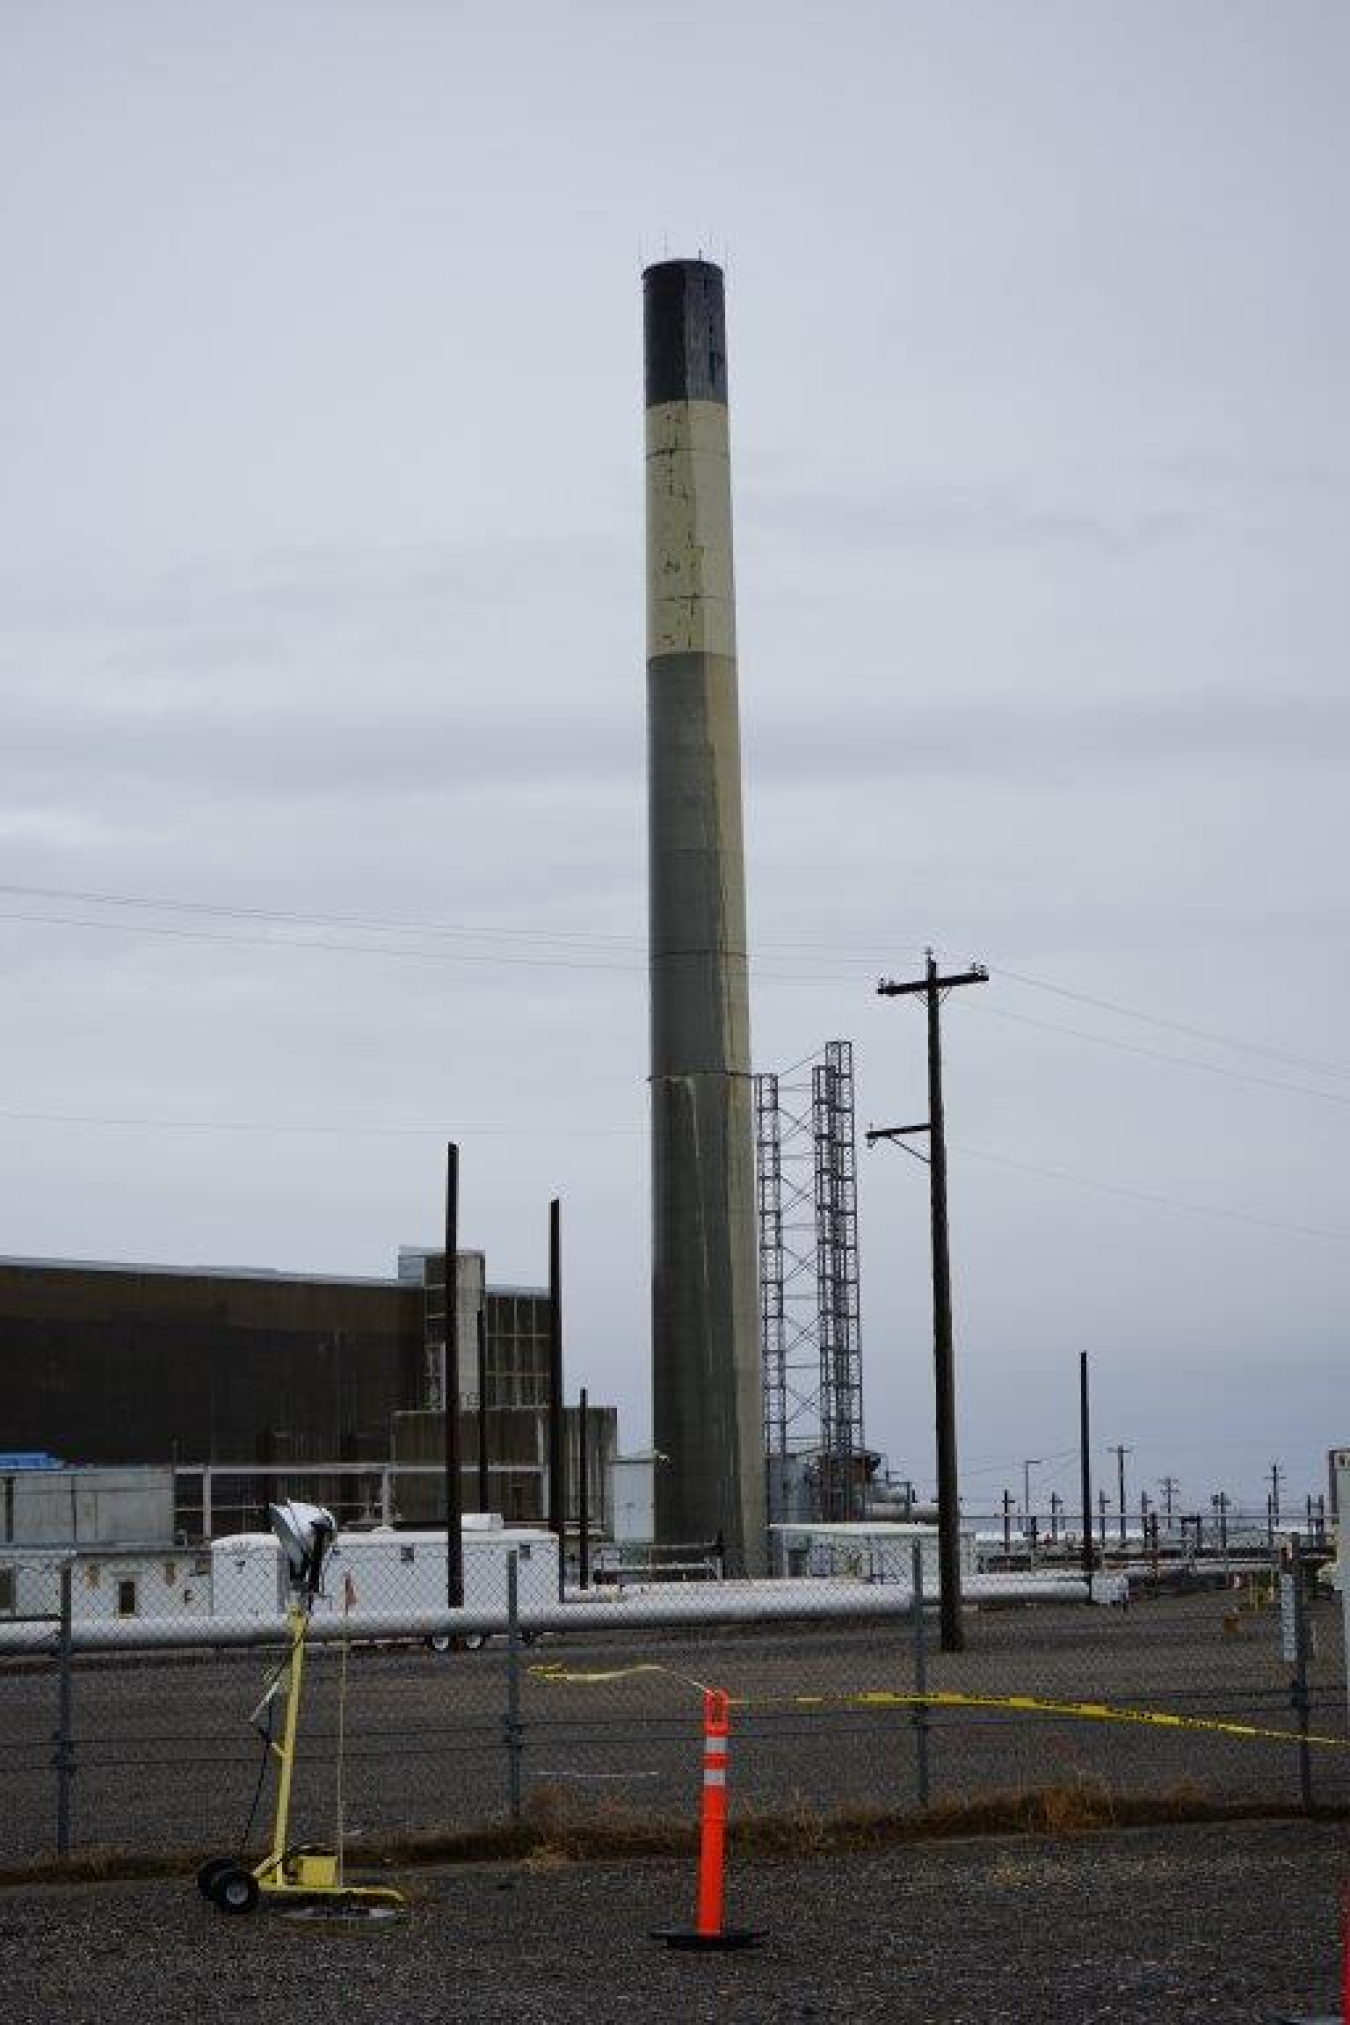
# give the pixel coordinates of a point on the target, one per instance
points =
(1142, 1928)
(165, 1758)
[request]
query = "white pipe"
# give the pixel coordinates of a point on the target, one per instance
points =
(637, 1609)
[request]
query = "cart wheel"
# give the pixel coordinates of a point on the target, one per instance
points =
(210, 1871)
(440, 1643)
(234, 1890)
(474, 1641)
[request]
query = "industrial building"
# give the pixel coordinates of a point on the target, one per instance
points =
(227, 1377)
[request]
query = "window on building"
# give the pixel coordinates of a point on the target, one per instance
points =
(126, 1596)
(8, 1604)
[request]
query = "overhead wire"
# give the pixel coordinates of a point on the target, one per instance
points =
(1161, 1055)
(1151, 1196)
(385, 924)
(326, 945)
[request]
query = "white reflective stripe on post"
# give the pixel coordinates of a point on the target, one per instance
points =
(712, 1777)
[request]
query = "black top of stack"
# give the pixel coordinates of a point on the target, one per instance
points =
(685, 332)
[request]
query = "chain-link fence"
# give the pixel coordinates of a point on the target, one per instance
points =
(139, 1722)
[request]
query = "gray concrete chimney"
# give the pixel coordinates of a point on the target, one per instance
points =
(706, 1376)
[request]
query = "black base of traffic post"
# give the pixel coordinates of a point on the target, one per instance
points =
(696, 1943)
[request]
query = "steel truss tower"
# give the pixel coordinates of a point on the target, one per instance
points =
(808, 1288)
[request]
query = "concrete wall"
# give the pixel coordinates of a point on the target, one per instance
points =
(87, 1507)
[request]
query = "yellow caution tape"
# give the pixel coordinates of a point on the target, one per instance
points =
(947, 1698)
(553, 1670)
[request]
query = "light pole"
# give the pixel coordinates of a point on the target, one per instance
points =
(1119, 1451)
(1032, 1462)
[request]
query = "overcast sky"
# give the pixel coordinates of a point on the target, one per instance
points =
(321, 592)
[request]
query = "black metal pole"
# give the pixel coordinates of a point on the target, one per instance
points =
(944, 1368)
(1298, 1690)
(583, 1489)
(484, 1485)
(557, 1463)
(921, 1716)
(1120, 1454)
(454, 1489)
(1085, 1464)
(65, 1748)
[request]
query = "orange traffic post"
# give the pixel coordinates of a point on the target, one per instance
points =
(710, 1931)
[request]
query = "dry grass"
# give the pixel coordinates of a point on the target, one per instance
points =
(558, 1828)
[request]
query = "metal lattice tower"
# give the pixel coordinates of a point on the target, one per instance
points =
(842, 1462)
(808, 1288)
(789, 1330)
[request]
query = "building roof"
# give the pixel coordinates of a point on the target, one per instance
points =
(270, 1274)
(199, 1272)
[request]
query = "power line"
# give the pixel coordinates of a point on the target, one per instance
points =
(534, 1128)
(1161, 1055)
(375, 923)
(327, 946)
(287, 1129)
(386, 924)
(1161, 1201)
(1175, 1026)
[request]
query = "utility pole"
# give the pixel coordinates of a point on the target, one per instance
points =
(1056, 1506)
(1032, 1463)
(1007, 1528)
(454, 1484)
(932, 985)
(583, 1489)
(1085, 1464)
(1169, 1486)
(1220, 1503)
(1119, 1451)
(557, 1465)
(1275, 1475)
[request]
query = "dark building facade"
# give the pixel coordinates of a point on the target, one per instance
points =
(117, 1364)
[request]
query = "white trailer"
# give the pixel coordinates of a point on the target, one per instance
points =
(121, 1582)
(381, 1573)
(866, 1550)
(387, 1572)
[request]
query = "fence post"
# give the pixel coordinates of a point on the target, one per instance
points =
(920, 1717)
(1299, 1695)
(512, 1722)
(63, 1759)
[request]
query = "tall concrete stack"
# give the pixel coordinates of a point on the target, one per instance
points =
(706, 1379)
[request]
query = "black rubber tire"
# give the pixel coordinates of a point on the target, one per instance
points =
(474, 1641)
(210, 1871)
(234, 1890)
(440, 1645)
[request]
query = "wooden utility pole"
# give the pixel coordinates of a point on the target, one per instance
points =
(932, 985)
(584, 1489)
(1085, 1465)
(1119, 1451)
(557, 1463)
(454, 1488)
